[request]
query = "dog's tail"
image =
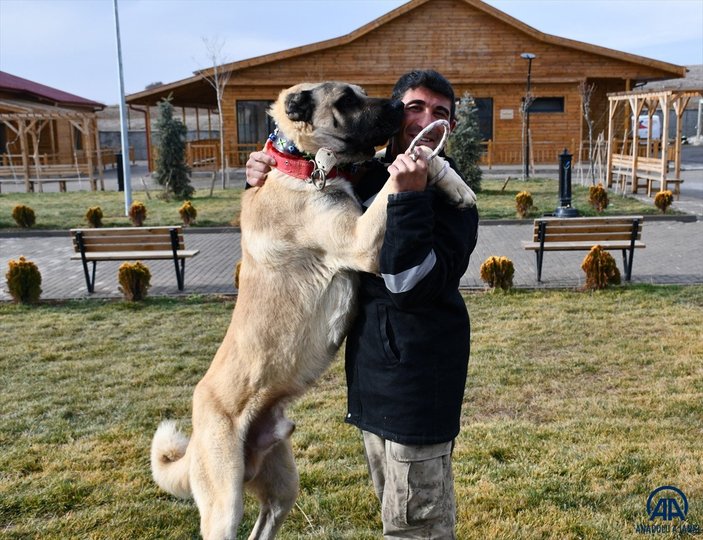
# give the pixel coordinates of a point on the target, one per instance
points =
(170, 461)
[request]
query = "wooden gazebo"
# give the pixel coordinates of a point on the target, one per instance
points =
(635, 164)
(47, 135)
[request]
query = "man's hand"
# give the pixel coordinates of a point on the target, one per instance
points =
(408, 172)
(258, 166)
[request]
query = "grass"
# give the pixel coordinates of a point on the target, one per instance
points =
(577, 406)
(67, 210)
(497, 203)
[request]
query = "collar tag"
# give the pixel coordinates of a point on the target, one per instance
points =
(325, 160)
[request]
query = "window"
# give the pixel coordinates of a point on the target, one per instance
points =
(484, 109)
(77, 139)
(253, 124)
(547, 105)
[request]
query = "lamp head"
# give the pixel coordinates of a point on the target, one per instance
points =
(528, 56)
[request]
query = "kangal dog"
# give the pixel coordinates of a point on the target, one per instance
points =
(302, 242)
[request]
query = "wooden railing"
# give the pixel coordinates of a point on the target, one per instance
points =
(511, 152)
(203, 155)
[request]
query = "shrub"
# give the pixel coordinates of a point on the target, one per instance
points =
(598, 197)
(134, 279)
(498, 272)
(600, 269)
(94, 216)
(23, 281)
(24, 216)
(137, 213)
(172, 172)
(188, 213)
(464, 144)
(663, 200)
(523, 203)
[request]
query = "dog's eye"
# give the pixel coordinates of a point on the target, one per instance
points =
(347, 101)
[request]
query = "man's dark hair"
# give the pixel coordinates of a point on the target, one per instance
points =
(427, 78)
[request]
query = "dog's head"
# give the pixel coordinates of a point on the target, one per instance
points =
(338, 116)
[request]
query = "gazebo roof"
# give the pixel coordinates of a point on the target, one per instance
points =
(25, 89)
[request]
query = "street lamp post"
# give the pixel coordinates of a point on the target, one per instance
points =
(526, 111)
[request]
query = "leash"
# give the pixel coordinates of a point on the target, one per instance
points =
(430, 127)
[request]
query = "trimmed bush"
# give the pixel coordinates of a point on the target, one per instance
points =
(24, 216)
(598, 197)
(498, 272)
(188, 213)
(600, 269)
(663, 200)
(94, 216)
(134, 280)
(523, 203)
(23, 281)
(137, 213)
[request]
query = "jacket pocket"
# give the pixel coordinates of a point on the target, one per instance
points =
(390, 346)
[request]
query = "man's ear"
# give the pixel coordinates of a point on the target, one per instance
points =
(300, 106)
(452, 124)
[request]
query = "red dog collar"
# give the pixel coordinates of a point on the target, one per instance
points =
(296, 166)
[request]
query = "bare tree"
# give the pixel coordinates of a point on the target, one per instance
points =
(586, 92)
(218, 78)
(526, 103)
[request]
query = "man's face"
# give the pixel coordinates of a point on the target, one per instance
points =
(422, 107)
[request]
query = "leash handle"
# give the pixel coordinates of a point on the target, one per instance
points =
(428, 128)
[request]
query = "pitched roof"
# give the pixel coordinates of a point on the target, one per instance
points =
(478, 4)
(33, 91)
(692, 81)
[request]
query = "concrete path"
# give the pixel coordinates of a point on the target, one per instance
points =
(674, 255)
(674, 252)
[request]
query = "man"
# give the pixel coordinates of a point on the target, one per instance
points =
(407, 352)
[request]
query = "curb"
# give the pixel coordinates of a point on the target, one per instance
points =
(681, 218)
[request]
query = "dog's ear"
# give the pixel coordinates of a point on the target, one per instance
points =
(300, 106)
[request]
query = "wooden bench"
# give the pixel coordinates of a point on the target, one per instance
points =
(648, 169)
(581, 234)
(45, 174)
(130, 244)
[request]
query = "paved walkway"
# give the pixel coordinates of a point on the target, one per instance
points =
(673, 255)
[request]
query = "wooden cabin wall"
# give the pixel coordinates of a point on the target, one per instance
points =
(477, 51)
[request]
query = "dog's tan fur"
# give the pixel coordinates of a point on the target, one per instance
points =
(301, 248)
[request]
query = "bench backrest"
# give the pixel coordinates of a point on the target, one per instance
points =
(128, 239)
(594, 229)
(649, 164)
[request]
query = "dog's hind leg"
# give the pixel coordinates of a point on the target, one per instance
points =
(217, 477)
(276, 487)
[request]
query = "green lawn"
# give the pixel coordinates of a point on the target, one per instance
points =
(577, 406)
(67, 210)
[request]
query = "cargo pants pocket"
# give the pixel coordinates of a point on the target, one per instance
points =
(419, 491)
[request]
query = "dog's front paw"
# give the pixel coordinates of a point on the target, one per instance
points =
(457, 191)
(447, 180)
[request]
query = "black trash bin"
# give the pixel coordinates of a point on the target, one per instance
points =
(120, 171)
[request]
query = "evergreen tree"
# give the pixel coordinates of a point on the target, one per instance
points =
(464, 144)
(171, 169)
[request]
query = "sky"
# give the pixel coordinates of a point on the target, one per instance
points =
(71, 45)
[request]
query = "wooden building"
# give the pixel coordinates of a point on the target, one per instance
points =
(477, 47)
(46, 135)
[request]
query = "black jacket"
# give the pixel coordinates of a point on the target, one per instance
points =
(407, 353)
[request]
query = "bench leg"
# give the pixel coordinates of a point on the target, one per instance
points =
(90, 282)
(180, 272)
(627, 263)
(540, 256)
